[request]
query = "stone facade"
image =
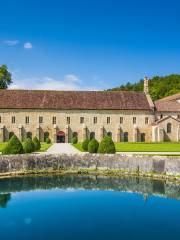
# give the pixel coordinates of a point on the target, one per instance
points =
(83, 130)
(126, 116)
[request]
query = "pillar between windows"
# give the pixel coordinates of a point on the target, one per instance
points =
(178, 134)
(135, 133)
(20, 132)
(38, 133)
(118, 134)
(54, 133)
(84, 132)
(101, 132)
(67, 134)
(2, 135)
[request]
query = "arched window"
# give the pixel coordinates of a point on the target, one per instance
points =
(75, 134)
(10, 135)
(169, 127)
(92, 135)
(109, 134)
(29, 135)
(46, 135)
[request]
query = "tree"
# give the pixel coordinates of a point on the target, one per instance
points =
(93, 146)
(5, 77)
(159, 87)
(37, 144)
(14, 146)
(85, 144)
(28, 146)
(107, 146)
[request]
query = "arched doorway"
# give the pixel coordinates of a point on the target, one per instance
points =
(60, 137)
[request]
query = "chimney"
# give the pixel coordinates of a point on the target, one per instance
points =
(146, 85)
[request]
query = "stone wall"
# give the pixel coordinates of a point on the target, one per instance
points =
(130, 164)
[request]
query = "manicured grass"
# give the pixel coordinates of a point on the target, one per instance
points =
(79, 147)
(148, 147)
(45, 146)
(142, 147)
(2, 145)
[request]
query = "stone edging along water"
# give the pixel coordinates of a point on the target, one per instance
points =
(155, 166)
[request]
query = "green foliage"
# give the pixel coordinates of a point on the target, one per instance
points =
(93, 146)
(107, 146)
(5, 77)
(14, 146)
(74, 140)
(48, 140)
(85, 144)
(4, 199)
(28, 146)
(159, 87)
(37, 144)
(11, 134)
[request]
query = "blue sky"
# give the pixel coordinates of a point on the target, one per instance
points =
(79, 45)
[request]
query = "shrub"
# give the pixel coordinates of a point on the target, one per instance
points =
(37, 144)
(107, 146)
(85, 144)
(14, 146)
(28, 146)
(74, 140)
(93, 146)
(48, 140)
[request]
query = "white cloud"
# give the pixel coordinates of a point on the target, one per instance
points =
(11, 42)
(28, 45)
(70, 82)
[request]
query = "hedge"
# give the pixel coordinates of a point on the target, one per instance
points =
(93, 146)
(28, 146)
(107, 146)
(14, 146)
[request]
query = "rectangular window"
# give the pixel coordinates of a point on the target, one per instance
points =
(161, 116)
(26, 119)
(0, 119)
(68, 120)
(108, 120)
(95, 120)
(146, 120)
(178, 116)
(81, 119)
(134, 120)
(40, 119)
(54, 120)
(13, 119)
(121, 120)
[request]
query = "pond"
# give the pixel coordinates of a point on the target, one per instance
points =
(88, 207)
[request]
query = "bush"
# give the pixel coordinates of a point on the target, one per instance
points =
(93, 146)
(107, 146)
(85, 144)
(48, 140)
(14, 146)
(37, 144)
(28, 146)
(74, 140)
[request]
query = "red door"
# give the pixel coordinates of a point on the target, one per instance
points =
(60, 137)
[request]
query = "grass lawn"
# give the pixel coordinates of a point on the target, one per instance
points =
(45, 146)
(142, 147)
(148, 147)
(79, 147)
(2, 145)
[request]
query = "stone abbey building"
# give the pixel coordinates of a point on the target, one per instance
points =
(127, 116)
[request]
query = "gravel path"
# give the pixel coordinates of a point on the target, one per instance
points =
(63, 148)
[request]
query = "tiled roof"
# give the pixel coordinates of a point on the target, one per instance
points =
(168, 104)
(67, 100)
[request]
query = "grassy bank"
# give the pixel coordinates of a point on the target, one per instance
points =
(142, 147)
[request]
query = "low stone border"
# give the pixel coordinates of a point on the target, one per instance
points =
(135, 164)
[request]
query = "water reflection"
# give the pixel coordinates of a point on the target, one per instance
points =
(4, 199)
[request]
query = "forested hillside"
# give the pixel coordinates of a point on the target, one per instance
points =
(159, 87)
